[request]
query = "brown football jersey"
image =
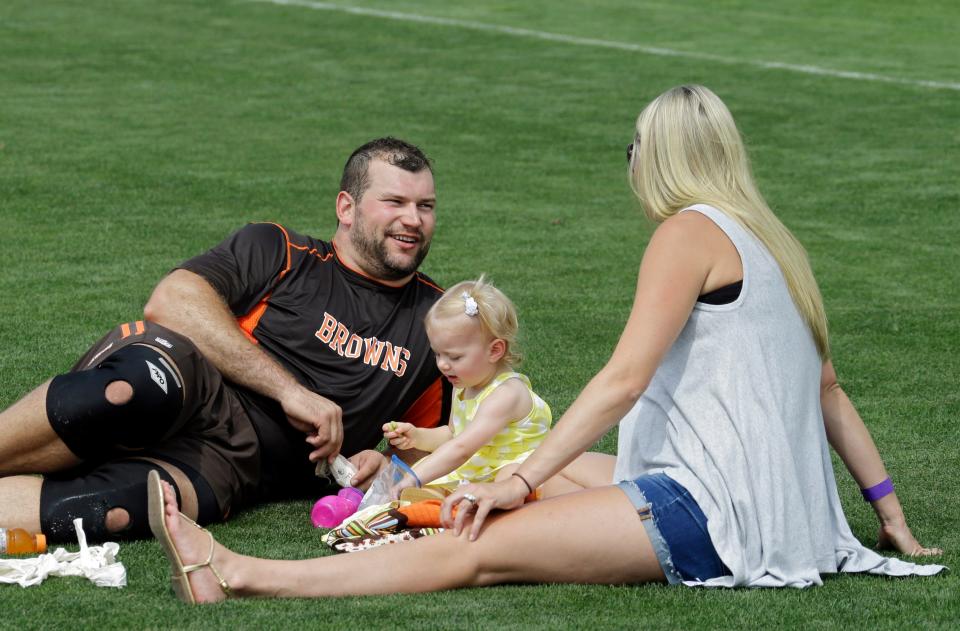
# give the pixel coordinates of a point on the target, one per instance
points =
(343, 335)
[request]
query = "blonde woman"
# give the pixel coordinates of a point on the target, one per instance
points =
(726, 398)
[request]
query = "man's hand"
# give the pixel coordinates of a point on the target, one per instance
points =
(186, 303)
(400, 435)
(318, 417)
(368, 463)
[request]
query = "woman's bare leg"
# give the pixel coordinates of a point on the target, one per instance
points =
(589, 471)
(554, 541)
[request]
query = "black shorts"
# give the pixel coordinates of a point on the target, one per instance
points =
(214, 438)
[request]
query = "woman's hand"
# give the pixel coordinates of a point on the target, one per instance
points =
(482, 498)
(897, 536)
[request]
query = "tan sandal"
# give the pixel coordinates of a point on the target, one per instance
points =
(178, 571)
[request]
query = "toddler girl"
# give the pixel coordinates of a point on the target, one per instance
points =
(496, 420)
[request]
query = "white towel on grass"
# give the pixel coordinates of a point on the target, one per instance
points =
(97, 563)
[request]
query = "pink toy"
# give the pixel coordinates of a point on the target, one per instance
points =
(331, 510)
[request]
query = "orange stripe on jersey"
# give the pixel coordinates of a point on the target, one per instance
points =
(138, 327)
(250, 321)
(312, 251)
(428, 283)
(286, 237)
(426, 411)
(125, 330)
(290, 244)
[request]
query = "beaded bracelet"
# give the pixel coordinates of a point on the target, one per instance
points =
(877, 491)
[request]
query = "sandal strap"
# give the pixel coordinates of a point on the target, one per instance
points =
(223, 583)
(187, 569)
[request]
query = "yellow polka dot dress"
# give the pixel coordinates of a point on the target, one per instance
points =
(512, 445)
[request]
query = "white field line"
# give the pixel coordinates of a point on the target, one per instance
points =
(602, 43)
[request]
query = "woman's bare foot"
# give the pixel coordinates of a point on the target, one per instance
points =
(193, 546)
(897, 536)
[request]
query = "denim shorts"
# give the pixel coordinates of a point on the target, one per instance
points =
(677, 528)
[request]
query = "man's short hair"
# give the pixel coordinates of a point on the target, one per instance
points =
(356, 180)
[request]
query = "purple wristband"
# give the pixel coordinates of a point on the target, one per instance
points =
(877, 491)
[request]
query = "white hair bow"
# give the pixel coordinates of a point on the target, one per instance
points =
(469, 305)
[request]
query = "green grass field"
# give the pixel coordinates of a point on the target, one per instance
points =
(135, 134)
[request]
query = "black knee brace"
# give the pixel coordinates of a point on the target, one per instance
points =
(120, 484)
(91, 426)
(91, 493)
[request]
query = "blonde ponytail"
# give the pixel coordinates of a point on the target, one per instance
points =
(688, 151)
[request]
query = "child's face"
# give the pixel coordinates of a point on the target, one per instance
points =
(464, 355)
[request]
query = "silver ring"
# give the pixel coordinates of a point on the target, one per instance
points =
(470, 497)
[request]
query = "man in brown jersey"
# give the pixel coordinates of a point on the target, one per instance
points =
(254, 360)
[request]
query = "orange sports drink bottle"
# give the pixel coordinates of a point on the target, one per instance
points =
(19, 541)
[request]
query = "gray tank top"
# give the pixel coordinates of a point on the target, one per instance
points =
(733, 414)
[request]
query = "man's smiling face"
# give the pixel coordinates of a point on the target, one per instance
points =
(393, 222)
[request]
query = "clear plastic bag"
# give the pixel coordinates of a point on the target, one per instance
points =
(379, 491)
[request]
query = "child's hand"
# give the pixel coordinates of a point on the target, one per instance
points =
(405, 483)
(400, 435)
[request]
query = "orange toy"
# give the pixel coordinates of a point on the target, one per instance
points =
(425, 514)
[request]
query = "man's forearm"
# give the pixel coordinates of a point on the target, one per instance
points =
(186, 303)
